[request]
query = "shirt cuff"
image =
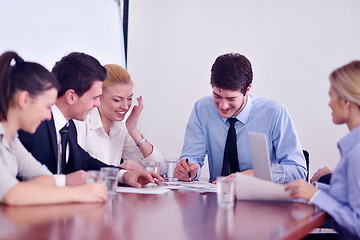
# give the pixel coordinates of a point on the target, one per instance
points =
(311, 200)
(153, 155)
(120, 175)
(60, 180)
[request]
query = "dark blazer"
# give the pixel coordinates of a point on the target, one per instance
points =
(43, 146)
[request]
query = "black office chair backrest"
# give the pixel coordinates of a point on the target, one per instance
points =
(306, 155)
(328, 223)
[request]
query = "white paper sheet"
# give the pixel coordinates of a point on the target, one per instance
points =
(252, 188)
(196, 186)
(157, 190)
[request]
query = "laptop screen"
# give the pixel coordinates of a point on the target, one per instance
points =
(260, 155)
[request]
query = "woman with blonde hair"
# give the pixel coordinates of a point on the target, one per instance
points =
(340, 199)
(27, 91)
(107, 137)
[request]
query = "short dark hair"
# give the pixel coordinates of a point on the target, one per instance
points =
(78, 71)
(23, 76)
(231, 71)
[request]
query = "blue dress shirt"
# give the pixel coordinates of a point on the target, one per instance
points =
(341, 198)
(206, 134)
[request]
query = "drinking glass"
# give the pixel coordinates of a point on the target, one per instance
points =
(170, 169)
(108, 175)
(92, 176)
(152, 166)
(225, 187)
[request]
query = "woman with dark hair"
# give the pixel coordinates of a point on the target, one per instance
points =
(340, 199)
(27, 91)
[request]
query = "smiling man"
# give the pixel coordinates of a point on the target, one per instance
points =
(225, 118)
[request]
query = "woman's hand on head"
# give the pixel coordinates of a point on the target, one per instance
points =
(131, 122)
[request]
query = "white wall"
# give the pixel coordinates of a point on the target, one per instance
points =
(293, 46)
(46, 30)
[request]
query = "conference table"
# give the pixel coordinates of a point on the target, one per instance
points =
(174, 215)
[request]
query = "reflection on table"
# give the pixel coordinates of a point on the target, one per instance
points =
(173, 215)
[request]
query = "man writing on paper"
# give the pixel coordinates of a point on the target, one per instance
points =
(218, 126)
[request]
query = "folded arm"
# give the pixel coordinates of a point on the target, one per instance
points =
(42, 190)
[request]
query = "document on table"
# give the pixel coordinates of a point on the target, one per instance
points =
(195, 186)
(252, 188)
(155, 190)
(165, 187)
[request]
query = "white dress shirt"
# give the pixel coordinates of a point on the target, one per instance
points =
(15, 161)
(113, 147)
(59, 121)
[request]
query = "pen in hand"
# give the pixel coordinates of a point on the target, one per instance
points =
(189, 173)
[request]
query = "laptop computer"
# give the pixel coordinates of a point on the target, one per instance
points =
(260, 155)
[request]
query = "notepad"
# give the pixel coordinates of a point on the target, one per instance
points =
(250, 188)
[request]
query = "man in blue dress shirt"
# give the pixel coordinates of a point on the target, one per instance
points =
(207, 129)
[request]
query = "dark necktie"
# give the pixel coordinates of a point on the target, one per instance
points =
(64, 133)
(230, 162)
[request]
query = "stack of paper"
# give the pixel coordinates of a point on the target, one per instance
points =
(142, 190)
(195, 186)
(252, 188)
(165, 187)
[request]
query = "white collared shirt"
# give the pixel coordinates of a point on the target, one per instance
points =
(110, 148)
(59, 121)
(15, 161)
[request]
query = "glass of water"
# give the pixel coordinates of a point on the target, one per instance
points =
(92, 176)
(225, 191)
(152, 166)
(170, 169)
(108, 175)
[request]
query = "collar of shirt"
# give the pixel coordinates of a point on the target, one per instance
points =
(244, 114)
(347, 143)
(95, 119)
(96, 122)
(59, 119)
(2, 139)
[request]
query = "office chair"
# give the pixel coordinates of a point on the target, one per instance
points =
(307, 155)
(325, 179)
(321, 236)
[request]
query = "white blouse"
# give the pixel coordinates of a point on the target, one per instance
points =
(110, 149)
(16, 161)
